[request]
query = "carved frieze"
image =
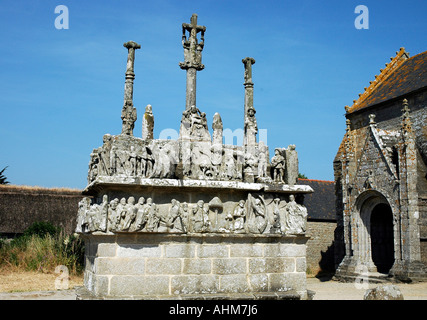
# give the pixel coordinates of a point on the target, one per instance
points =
(256, 214)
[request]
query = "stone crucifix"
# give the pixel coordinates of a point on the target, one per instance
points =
(128, 111)
(192, 57)
(250, 125)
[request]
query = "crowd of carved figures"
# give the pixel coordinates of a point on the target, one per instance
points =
(254, 215)
(200, 160)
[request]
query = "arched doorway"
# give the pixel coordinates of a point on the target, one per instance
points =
(382, 240)
(372, 242)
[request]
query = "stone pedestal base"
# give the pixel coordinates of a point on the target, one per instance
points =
(409, 271)
(349, 270)
(194, 266)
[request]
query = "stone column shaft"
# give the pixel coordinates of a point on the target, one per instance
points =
(190, 96)
(130, 74)
(249, 85)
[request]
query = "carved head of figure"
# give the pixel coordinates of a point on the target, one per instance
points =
(291, 198)
(107, 137)
(149, 201)
(242, 203)
(291, 147)
(185, 206)
(200, 203)
(131, 200)
(193, 109)
(123, 201)
(148, 109)
(251, 112)
(105, 198)
(114, 203)
(141, 200)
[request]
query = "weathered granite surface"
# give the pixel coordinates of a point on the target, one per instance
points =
(152, 266)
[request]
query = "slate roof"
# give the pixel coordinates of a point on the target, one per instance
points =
(321, 203)
(400, 77)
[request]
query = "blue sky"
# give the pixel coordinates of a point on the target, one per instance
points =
(62, 90)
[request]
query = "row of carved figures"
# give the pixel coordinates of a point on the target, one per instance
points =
(254, 215)
(199, 160)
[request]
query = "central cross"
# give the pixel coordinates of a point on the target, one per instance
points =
(192, 57)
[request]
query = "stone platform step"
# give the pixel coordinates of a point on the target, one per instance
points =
(370, 277)
(84, 294)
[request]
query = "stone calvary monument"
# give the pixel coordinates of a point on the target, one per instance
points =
(193, 217)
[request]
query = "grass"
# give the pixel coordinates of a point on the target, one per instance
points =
(35, 260)
(42, 252)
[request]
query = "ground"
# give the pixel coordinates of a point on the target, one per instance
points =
(41, 286)
(12, 282)
(327, 289)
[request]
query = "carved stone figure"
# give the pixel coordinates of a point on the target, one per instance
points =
(200, 219)
(141, 218)
(249, 168)
(251, 128)
(175, 222)
(103, 213)
(92, 218)
(132, 161)
(278, 164)
(147, 169)
(128, 118)
(117, 163)
(239, 216)
(262, 162)
(152, 217)
(257, 221)
(130, 213)
(229, 223)
(113, 216)
(164, 162)
(276, 227)
(121, 212)
(184, 217)
(84, 205)
(194, 125)
(148, 123)
(291, 174)
(201, 163)
(217, 129)
(216, 161)
(93, 166)
(230, 164)
(104, 155)
(296, 217)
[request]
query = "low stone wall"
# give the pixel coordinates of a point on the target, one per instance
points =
(147, 266)
(21, 206)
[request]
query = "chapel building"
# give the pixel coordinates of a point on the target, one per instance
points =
(380, 176)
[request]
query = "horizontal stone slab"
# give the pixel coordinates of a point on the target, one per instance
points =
(154, 238)
(83, 294)
(118, 181)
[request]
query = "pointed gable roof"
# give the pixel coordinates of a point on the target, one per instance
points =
(401, 76)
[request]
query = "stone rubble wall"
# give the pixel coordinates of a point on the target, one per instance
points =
(21, 206)
(320, 246)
